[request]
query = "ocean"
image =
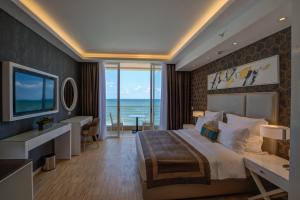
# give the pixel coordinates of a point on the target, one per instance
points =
(132, 107)
(33, 105)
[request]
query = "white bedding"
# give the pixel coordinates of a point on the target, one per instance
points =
(224, 163)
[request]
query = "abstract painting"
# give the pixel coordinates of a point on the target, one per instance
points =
(262, 72)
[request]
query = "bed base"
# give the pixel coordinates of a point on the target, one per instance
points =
(184, 191)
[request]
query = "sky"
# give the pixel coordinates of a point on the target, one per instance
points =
(133, 85)
(30, 87)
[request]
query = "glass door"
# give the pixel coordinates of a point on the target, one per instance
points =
(135, 104)
(156, 94)
(112, 76)
(132, 97)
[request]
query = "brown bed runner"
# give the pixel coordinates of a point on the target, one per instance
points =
(171, 160)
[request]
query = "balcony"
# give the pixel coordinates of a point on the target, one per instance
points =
(127, 119)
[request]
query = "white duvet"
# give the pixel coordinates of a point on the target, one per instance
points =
(224, 163)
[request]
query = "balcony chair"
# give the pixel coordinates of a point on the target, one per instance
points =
(115, 125)
(91, 130)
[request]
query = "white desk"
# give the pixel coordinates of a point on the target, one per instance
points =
(77, 122)
(18, 147)
(270, 168)
(16, 180)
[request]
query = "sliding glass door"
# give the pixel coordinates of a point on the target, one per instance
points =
(133, 97)
(112, 77)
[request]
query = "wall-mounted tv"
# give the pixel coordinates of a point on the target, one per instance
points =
(27, 92)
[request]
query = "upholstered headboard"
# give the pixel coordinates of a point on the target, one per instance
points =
(262, 105)
(255, 105)
(229, 103)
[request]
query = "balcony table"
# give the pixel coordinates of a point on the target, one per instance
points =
(137, 121)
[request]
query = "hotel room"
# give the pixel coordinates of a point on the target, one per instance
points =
(149, 99)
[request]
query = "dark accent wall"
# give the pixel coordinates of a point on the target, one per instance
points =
(21, 45)
(276, 44)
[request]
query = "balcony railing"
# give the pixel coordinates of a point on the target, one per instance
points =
(126, 111)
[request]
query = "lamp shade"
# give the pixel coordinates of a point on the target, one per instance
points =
(275, 132)
(198, 113)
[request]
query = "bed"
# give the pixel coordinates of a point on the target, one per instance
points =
(222, 170)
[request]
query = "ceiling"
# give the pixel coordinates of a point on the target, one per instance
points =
(243, 23)
(188, 33)
(143, 29)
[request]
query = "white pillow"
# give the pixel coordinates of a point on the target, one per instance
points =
(232, 137)
(254, 141)
(205, 120)
(215, 115)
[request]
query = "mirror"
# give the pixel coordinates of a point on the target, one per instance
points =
(69, 94)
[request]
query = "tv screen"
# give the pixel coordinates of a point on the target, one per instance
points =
(33, 92)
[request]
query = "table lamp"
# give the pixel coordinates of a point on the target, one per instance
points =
(198, 114)
(276, 132)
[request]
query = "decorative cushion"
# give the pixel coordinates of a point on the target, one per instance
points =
(205, 120)
(210, 131)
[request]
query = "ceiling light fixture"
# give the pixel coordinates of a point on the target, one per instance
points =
(38, 13)
(282, 19)
(235, 43)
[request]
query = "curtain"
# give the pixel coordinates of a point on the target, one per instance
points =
(90, 89)
(178, 97)
(163, 124)
(102, 101)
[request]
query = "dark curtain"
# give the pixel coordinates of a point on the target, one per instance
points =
(90, 89)
(179, 90)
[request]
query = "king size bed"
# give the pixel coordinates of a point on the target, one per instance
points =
(177, 164)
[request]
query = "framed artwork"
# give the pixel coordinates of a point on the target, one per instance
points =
(262, 72)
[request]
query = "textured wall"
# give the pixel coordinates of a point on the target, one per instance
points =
(21, 45)
(276, 44)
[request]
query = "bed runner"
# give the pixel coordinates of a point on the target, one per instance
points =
(170, 159)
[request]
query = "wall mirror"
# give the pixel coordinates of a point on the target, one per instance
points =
(69, 94)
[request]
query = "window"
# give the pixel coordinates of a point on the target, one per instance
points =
(132, 95)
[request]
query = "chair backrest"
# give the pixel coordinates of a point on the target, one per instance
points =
(111, 119)
(94, 128)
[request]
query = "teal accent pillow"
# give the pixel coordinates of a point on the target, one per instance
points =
(210, 132)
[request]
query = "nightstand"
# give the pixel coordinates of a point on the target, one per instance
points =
(270, 167)
(187, 126)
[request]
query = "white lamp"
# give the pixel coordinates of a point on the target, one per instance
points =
(198, 113)
(275, 132)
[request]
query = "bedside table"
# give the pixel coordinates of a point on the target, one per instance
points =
(270, 167)
(187, 126)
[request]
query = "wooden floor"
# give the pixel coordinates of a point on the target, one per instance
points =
(107, 173)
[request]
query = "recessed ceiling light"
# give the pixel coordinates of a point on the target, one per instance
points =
(235, 43)
(282, 19)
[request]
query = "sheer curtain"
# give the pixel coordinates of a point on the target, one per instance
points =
(102, 101)
(164, 99)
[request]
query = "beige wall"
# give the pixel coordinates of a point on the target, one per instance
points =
(294, 193)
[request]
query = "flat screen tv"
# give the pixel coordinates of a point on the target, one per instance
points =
(28, 92)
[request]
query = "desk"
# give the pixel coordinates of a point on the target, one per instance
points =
(16, 179)
(18, 146)
(271, 168)
(137, 122)
(77, 123)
